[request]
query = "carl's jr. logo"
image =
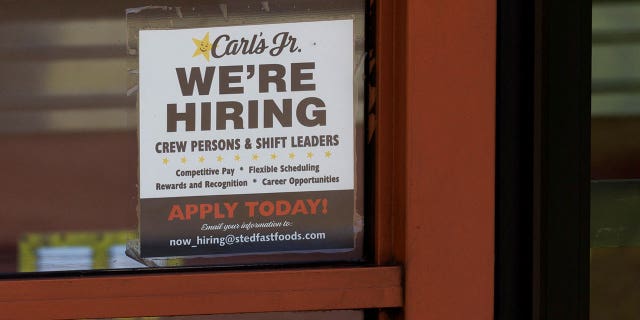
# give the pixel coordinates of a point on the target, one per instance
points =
(203, 47)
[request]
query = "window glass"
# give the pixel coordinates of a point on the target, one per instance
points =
(69, 127)
(615, 173)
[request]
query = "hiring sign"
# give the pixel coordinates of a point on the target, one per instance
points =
(246, 139)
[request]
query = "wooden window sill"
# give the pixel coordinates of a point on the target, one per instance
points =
(203, 293)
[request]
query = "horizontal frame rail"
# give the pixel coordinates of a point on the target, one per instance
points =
(202, 293)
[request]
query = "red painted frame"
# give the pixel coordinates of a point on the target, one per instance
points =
(434, 216)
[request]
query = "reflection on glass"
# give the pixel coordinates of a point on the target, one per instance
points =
(67, 135)
(64, 258)
(68, 123)
(62, 251)
(615, 160)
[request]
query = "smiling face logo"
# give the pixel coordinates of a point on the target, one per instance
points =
(203, 47)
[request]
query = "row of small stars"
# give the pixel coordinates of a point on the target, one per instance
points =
(255, 156)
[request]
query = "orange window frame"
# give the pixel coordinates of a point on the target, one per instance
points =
(434, 197)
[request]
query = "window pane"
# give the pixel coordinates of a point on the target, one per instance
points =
(615, 136)
(69, 121)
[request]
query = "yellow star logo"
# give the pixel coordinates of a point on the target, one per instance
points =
(203, 47)
(273, 156)
(165, 161)
(309, 155)
(255, 156)
(236, 157)
(201, 159)
(292, 155)
(219, 158)
(327, 154)
(183, 160)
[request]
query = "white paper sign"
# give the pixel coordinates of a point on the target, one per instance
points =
(246, 126)
(293, 133)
